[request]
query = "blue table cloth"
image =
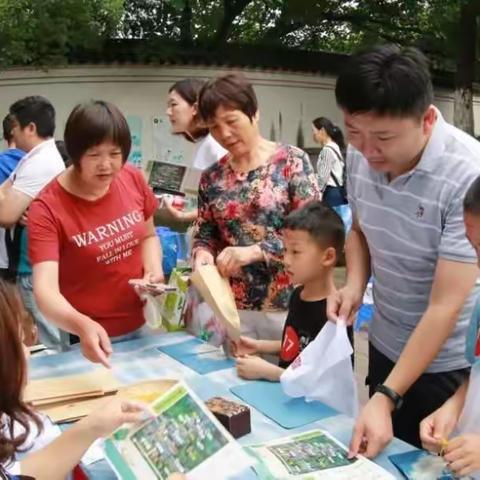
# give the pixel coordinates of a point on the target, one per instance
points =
(138, 360)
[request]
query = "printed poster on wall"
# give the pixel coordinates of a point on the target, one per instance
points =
(167, 147)
(135, 124)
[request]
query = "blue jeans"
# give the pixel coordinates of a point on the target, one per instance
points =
(48, 334)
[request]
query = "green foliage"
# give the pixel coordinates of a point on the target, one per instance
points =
(44, 32)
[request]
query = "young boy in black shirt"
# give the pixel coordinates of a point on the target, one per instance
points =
(313, 238)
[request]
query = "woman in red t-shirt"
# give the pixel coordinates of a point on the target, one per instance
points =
(91, 231)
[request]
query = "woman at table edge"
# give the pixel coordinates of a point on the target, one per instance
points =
(78, 281)
(57, 459)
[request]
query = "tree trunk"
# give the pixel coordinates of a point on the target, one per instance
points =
(464, 76)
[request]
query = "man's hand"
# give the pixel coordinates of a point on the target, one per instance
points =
(373, 429)
(463, 454)
(344, 304)
(438, 426)
(95, 343)
(232, 259)
(244, 346)
(254, 368)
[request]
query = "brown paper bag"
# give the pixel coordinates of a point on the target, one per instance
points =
(216, 291)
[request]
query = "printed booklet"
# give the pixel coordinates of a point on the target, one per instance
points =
(309, 456)
(183, 437)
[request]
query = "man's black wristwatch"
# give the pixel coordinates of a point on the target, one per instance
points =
(396, 399)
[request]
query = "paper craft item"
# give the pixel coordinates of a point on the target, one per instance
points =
(142, 391)
(183, 437)
(56, 389)
(216, 291)
(323, 371)
(269, 398)
(312, 455)
(199, 356)
(419, 464)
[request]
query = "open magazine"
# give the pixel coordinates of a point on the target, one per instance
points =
(183, 437)
(309, 456)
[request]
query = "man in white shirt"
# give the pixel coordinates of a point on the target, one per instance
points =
(33, 129)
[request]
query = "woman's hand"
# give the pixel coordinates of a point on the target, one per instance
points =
(203, 257)
(232, 259)
(113, 414)
(95, 342)
(463, 454)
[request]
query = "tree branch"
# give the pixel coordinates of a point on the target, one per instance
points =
(231, 10)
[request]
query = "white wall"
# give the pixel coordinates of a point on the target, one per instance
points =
(141, 91)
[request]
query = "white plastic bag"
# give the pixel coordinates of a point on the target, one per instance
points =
(323, 371)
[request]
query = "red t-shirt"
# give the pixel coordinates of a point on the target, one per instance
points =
(97, 245)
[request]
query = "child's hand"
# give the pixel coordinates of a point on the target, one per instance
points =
(244, 346)
(255, 368)
(463, 454)
(438, 426)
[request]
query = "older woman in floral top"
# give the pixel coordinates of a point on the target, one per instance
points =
(243, 200)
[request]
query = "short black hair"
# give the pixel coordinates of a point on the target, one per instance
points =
(232, 90)
(8, 124)
(471, 202)
(37, 110)
(92, 123)
(62, 150)
(321, 222)
(387, 80)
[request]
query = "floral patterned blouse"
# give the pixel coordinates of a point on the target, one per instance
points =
(242, 209)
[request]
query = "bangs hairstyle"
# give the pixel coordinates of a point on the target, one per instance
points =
(14, 321)
(386, 80)
(93, 123)
(189, 90)
(321, 222)
(231, 91)
(471, 202)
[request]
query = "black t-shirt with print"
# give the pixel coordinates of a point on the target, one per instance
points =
(304, 321)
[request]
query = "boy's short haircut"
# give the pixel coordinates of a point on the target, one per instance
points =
(386, 80)
(37, 110)
(93, 123)
(471, 202)
(321, 222)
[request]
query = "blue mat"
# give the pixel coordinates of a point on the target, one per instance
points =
(200, 356)
(288, 412)
(409, 464)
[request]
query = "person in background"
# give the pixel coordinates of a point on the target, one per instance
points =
(243, 200)
(57, 459)
(330, 164)
(9, 238)
(91, 235)
(313, 237)
(32, 131)
(454, 429)
(408, 171)
(182, 111)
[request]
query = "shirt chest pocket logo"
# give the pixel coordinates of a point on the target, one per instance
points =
(420, 211)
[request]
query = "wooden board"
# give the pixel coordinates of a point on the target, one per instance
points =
(69, 411)
(72, 386)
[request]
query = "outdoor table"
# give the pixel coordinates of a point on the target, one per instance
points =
(138, 360)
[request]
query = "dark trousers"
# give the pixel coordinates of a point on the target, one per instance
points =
(427, 394)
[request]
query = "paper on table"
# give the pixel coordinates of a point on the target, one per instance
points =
(312, 455)
(216, 291)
